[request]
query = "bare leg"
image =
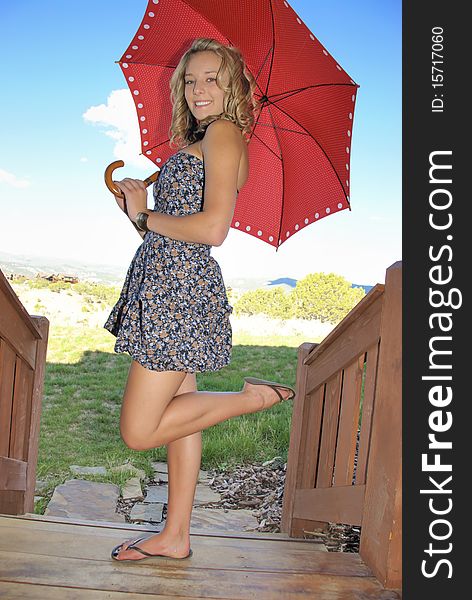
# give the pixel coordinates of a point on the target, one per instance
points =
(150, 419)
(183, 458)
(156, 412)
(183, 461)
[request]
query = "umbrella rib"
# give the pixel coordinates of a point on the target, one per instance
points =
(260, 70)
(283, 175)
(255, 125)
(159, 145)
(289, 93)
(319, 146)
(268, 147)
(273, 47)
(283, 128)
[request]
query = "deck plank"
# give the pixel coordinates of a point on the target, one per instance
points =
(129, 529)
(20, 591)
(225, 553)
(51, 559)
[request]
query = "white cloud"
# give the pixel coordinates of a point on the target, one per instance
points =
(83, 159)
(120, 118)
(12, 180)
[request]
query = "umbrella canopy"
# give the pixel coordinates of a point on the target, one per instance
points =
(299, 150)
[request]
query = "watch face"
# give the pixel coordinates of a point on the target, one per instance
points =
(141, 221)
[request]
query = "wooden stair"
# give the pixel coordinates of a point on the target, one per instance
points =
(43, 557)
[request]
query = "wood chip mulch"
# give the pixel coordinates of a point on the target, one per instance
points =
(261, 488)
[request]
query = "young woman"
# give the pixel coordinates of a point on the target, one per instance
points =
(172, 316)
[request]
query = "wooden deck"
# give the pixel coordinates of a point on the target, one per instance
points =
(42, 557)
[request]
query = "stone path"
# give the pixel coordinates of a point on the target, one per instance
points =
(140, 501)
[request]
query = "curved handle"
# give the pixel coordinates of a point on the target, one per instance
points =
(111, 185)
(108, 177)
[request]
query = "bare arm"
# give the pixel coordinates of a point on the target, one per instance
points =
(222, 148)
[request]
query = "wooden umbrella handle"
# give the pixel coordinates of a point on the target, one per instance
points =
(114, 189)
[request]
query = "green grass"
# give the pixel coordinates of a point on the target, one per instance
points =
(83, 389)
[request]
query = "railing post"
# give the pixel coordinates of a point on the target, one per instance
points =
(299, 463)
(381, 538)
(23, 347)
(36, 405)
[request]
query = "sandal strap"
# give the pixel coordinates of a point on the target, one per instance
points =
(135, 541)
(138, 549)
(278, 393)
(273, 385)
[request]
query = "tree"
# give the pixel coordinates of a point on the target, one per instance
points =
(327, 297)
(274, 303)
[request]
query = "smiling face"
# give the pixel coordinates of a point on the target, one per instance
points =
(204, 97)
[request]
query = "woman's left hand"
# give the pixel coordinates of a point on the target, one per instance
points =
(136, 196)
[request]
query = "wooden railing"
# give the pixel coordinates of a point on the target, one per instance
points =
(344, 461)
(23, 345)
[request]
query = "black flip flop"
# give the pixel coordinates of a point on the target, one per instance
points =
(132, 546)
(273, 385)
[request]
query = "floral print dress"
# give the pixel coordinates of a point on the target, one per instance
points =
(173, 311)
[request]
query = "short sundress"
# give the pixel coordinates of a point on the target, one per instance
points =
(173, 311)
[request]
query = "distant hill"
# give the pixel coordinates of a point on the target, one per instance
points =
(252, 283)
(245, 284)
(30, 266)
(283, 281)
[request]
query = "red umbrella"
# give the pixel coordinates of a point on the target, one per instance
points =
(299, 150)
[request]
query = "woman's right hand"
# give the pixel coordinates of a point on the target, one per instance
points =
(120, 201)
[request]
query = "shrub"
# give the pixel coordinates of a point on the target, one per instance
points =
(327, 297)
(273, 303)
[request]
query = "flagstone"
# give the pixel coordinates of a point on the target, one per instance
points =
(132, 489)
(204, 495)
(82, 499)
(160, 467)
(203, 476)
(217, 519)
(156, 493)
(164, 477)
(147, 512)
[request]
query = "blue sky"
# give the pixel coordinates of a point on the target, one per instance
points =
(59, 131)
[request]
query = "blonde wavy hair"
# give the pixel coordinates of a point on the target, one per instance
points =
(239, 105)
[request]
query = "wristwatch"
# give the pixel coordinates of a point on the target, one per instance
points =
(141, 221)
